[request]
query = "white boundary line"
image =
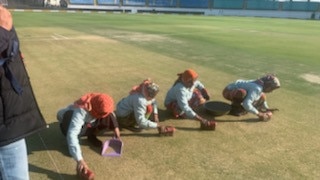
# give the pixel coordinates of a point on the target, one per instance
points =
(58, 36)
(50, 156)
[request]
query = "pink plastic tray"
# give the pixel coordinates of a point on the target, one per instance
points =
(112, 147)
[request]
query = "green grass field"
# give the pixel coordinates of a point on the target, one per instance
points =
(69, 54)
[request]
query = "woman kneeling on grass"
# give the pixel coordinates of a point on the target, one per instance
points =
(249, 96)
(87, 116)
(133, 111)
(186, 95)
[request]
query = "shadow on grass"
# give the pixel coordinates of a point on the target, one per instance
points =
(85, 142)
(230, 118)
(249, 120)
(189, 128)
(242, 119)
(164, 115)
(155, 134)
(51, 174)
(50, 139)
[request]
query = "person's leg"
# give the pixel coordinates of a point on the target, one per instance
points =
(92, 137)
(175, 110)
(61, 113)
(65, 121)
(236, 96)
(14, 161)
(197, 100)
(226, 94)
(129, 122)
(99, 125)
(126, 121)
(237, 109)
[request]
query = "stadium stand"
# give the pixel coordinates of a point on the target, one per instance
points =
(302, 9)
(300, 6)
(108, 2)
(161, 3)
(228, 4)
(262, 5)
(134, 2)
(89, 2)
(194, 4)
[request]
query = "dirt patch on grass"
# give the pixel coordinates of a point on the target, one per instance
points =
(141, 37)
(311, 78)
(95, 38)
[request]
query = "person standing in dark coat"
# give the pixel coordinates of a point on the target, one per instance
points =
(20, 115)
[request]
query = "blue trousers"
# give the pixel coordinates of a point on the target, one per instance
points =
(14, 161)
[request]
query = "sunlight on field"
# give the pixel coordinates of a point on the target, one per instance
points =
(311, 78)
(68, 55)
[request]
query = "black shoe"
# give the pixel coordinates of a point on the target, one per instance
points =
(94, 140)
(237, 112)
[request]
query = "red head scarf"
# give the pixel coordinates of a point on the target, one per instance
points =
(99, 105)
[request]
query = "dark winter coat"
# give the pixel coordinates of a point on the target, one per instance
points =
(20, 115)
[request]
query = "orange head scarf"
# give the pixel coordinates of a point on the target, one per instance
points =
(188, 75)
(99, 105)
